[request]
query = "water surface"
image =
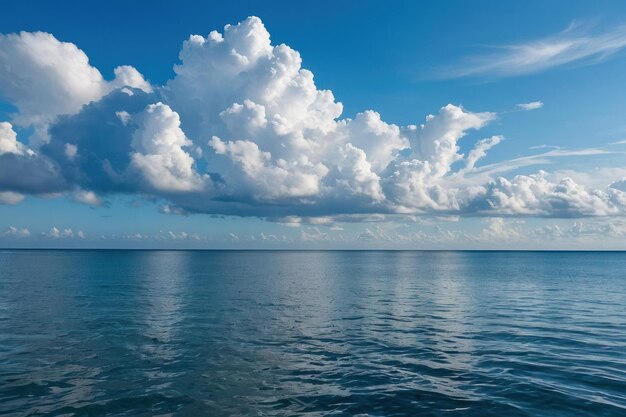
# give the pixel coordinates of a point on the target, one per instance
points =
(211, 333)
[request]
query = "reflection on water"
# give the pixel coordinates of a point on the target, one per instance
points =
(312, 333)
(162, 296)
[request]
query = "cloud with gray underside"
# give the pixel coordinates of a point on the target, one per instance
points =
(243, 129)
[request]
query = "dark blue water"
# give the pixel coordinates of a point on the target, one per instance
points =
(142, 333)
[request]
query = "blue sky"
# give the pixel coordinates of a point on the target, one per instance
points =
(216, 154)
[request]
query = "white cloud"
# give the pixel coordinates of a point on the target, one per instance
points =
(376, 233)
(480, 151)
(533, 105)
(599, 177)
(314, 234)
(270, 237)
(436, 141)
(542, 158)
(124, 116)
(14, 232)
(291, 221)
(619, 185)
(574, 44)
(421, 182)
(10, 197)
(87, 197)
(71, 151)
(181, 236)
(170, 209)
(355, 175)
(379, 141)
(537, 196)
(159, 153)
(499, 230)
(44, 77)
(268, 180)
(54, 77)
(127, 76)
(243, 129)
(9, 142)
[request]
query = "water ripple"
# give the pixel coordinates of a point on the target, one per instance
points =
(134, 333)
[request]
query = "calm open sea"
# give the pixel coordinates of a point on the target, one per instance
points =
(229, 333)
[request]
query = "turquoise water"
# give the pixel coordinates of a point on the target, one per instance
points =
(210, 333)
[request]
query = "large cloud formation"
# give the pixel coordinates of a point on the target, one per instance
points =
(243, 129)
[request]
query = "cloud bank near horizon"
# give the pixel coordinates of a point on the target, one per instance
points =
(242, 129)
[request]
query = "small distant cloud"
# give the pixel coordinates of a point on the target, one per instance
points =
(182, 236)
(619, 142)
(291, 221)
(374, 234)
(533, 105)
(313, 234)
(71, 151)
(87, 197)
(56, 233)
(12, 231)
(172, 209)
(124, 116)
(8, 197)
(544, 146)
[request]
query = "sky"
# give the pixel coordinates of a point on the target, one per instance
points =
(313, 125)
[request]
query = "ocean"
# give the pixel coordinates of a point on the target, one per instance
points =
(307, 333)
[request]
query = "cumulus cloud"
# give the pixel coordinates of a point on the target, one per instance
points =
(127, 76)
(423, 181)
(87, 197)
(498, 230)
(14, 232)
(242, 128)
(376, 233)
(158, 151)
(314, 234)
(29, 174)
(44, 77)
(536, 195)
(9, 197)
(22, 171)
(619, 185)
(265, 178)
(8, 140)
(55, 233)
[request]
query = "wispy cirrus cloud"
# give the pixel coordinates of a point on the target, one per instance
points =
(538, 159)
(533, 105)
(576, 44)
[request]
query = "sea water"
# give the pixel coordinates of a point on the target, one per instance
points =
(289, 333)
